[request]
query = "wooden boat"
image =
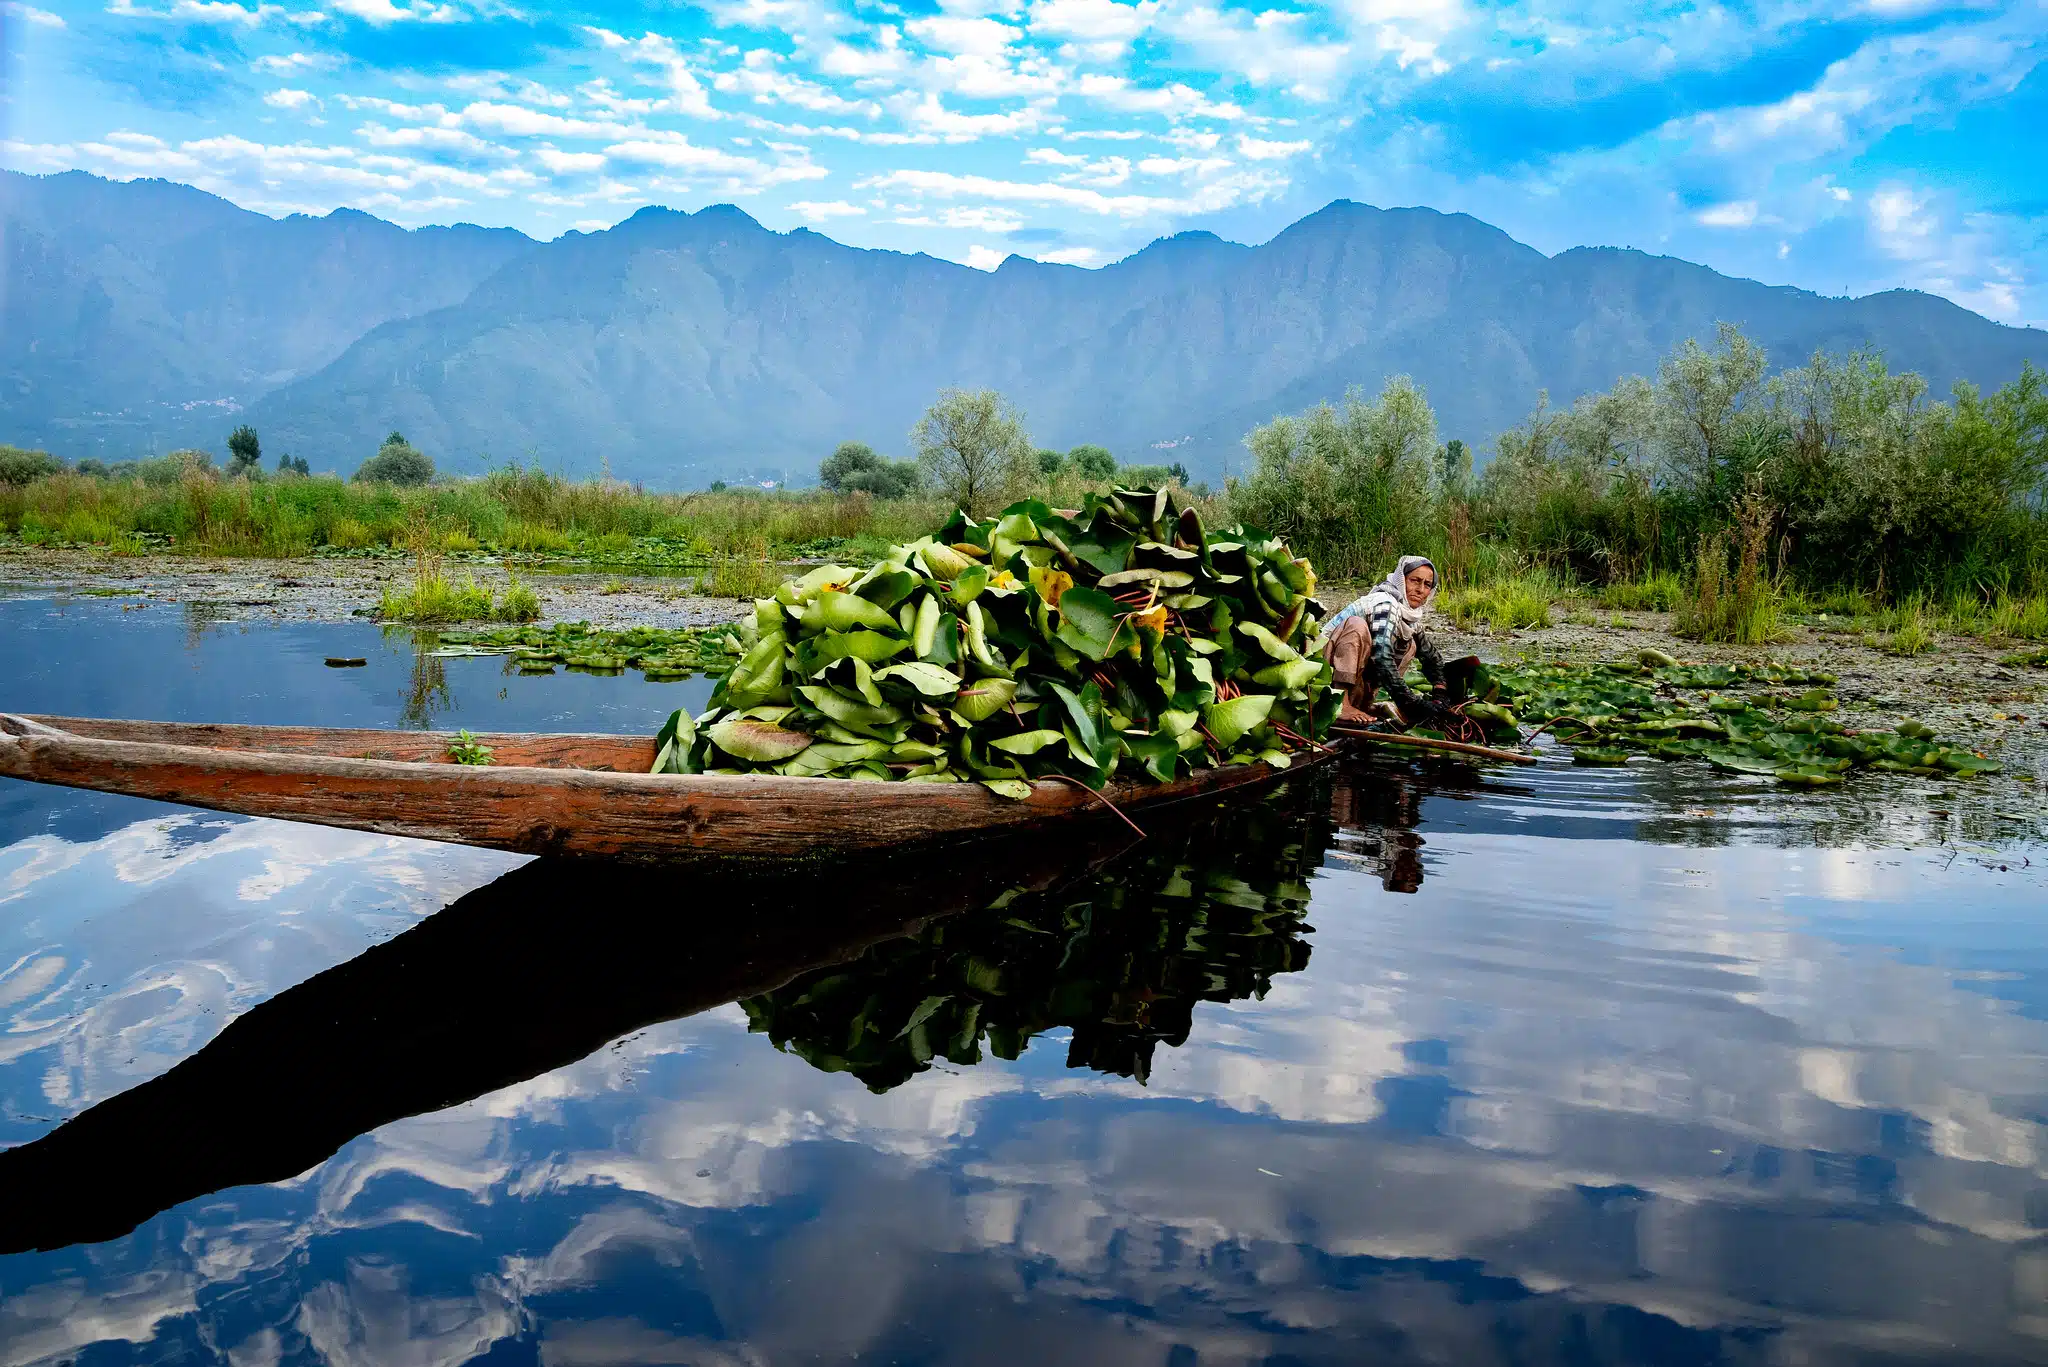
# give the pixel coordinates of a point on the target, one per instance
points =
(578, 795)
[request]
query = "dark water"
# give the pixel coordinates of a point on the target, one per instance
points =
(1402, 1065)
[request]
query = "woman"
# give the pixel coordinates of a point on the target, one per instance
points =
(1371, 641)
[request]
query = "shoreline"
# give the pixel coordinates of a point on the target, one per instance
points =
(1959, 688)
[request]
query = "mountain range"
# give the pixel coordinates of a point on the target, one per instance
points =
(676, 348)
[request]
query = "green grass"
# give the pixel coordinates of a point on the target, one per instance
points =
(1507, 604)
(1660, 591)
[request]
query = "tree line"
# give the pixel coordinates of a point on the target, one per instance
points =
(1842, 471)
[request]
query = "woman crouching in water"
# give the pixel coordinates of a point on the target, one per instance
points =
(1371, 641)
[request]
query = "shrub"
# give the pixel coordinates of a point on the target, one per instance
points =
(18, 466)
(1092, 462)
(398, 462)
(1143, 476)
(1742, 607)
(1349, 487)
(520, 603)
(855, 467)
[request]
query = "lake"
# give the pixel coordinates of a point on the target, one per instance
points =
(1403, 1063)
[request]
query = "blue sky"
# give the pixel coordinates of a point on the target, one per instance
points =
(1845, 148)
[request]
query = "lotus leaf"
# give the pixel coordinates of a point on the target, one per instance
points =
(928, 679)
(981, 700)
(1289, 675)
(1028, 742)
(871, 646)
(846, 711)
(1226, 722)
(1088, 622)
(759, 741)
(968, 584)
(1270, 643)
(836, 611)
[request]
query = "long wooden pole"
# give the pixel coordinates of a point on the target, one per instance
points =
(1431, 743)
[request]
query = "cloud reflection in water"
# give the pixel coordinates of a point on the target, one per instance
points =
(1582, 1098)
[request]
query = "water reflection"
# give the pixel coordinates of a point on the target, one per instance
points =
(1547, 1067)
(528, 973)
(1205, 913)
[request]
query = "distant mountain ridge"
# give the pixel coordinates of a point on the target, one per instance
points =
(677, 348)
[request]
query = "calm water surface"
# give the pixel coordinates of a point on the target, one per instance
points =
(1401, 1065)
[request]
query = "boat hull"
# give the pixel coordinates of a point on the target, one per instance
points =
(575, 796)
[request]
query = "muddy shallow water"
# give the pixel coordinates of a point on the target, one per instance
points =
(1407, 1063)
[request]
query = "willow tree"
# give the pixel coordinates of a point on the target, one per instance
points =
(973, 448)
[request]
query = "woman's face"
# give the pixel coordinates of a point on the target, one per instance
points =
(1421, 583)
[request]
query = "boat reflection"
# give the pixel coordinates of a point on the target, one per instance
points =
(550, 962)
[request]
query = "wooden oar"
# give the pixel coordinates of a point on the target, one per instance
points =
(1432, 743)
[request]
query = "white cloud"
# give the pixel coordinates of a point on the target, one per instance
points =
(291, 99)
(885, 58)
(1102, 172)
(674, 152)
(758, 78)
(430, 136)
(1740, 213)
(29, 14)
(985, 258)
(930, 115)
(1098, 30)
(980, 218)
(1075, 256)
(1184, 166)
(1176, 101)
(964, 36)
(797, 18)
(201, 12)
(380, 13)
(1052, 156)
(824, 211)
(290, 62)
(518, 121)
(569, 163)
(1900, 221)
(1208, 198)
(1262, 48)
(654, 49)
(1259, 149)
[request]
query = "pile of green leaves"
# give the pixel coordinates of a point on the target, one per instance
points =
(1608, 713)
(664, 654)
(1122, 638)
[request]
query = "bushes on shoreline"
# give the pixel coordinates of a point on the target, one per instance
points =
(1713, 489)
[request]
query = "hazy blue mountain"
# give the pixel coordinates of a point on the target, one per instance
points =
(142, 312)
(678, 348)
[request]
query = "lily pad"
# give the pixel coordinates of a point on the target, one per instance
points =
(759, 741)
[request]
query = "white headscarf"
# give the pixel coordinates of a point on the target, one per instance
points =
(1407, 620)
(1388, 599)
